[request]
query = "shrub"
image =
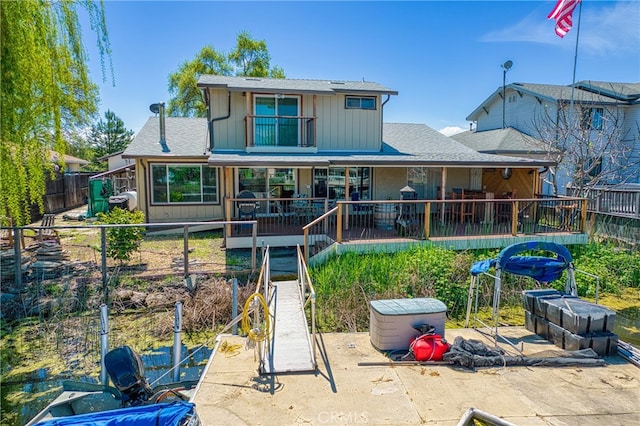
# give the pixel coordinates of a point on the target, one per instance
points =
(122, 240)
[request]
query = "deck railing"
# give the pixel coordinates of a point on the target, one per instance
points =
(321, 223)
(622, 201)
(307, 290)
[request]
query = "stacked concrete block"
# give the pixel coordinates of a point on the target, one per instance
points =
(569, 322)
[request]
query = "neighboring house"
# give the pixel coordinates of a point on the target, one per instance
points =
(115, 160)
(72, 164)
(511, 119)
(67, 189)
(283, 138)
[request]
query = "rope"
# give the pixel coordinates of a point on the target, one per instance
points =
(230, 350)
(259, 332)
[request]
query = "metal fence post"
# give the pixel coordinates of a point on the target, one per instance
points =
(234, 304)
(104, 342)
(103, 249)
(186, 251)
(177, 342)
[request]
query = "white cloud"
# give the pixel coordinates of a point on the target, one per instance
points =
(605, 28)
(451, 130)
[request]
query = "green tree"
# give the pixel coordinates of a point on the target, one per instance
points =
(249, 57)
(109, 135)
(186, 99)
(45, 89)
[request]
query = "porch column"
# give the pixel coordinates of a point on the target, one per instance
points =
(347, 197)
(443, 192)
(228, 193)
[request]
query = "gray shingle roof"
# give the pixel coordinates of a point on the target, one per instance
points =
(292, 85)
(185, 137)
(555, 93)
(623, 91)
(501, 141)
(404, 145)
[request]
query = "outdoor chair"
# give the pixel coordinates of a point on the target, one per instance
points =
(46, 232)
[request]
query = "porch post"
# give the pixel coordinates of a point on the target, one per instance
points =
(339, 223)
(514, 218)
(228, 189)
(443, 191)
(427, 220)
(583, 215)
(347, 196)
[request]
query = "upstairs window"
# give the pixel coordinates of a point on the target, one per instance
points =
(360, 102)
(592, 118)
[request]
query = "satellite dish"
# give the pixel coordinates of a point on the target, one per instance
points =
(507, 65)
(155, 108)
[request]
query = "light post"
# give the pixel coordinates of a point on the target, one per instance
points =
(505, 67)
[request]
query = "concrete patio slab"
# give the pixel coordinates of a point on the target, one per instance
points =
(342, 392)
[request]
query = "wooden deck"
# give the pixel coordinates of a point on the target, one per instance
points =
(290, 346)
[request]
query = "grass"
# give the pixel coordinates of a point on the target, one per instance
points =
(347, 283)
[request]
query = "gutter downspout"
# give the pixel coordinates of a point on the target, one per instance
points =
(382, 117)
(211, 120)
(147, 201)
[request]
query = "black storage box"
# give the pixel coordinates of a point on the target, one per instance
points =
(118, 201)
(529, 298)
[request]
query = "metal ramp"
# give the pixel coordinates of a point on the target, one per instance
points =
(290, 348)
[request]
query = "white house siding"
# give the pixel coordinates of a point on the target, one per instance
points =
(528, 115)
(631, 132)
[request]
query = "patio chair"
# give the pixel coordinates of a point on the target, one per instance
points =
(46, 232)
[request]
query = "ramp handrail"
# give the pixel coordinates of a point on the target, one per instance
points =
(305, 284)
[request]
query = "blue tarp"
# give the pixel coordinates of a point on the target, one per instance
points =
(543, 269)
(147, 415)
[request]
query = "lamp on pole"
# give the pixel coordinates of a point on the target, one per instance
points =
(505, 67)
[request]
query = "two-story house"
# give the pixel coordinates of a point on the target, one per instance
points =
(525, 119)
(282, 138)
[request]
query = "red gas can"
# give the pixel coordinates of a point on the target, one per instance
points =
(429, 347)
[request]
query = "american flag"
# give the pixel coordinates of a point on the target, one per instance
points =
(562, 14)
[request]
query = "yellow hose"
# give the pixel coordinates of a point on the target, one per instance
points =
(259, 332)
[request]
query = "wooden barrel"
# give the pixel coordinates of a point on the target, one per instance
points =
(385, 216)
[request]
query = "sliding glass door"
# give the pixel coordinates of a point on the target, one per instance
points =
(276, 121)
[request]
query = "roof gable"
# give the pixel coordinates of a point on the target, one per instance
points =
(583, 93)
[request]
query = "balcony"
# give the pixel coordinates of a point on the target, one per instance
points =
(280, 132)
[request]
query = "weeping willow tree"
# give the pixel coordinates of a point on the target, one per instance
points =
(45, 91)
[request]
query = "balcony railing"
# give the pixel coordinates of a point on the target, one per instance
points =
(280, 131)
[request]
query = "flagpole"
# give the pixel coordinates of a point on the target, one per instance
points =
(575, 60)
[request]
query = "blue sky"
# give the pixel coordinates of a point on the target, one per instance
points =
(443, 57)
